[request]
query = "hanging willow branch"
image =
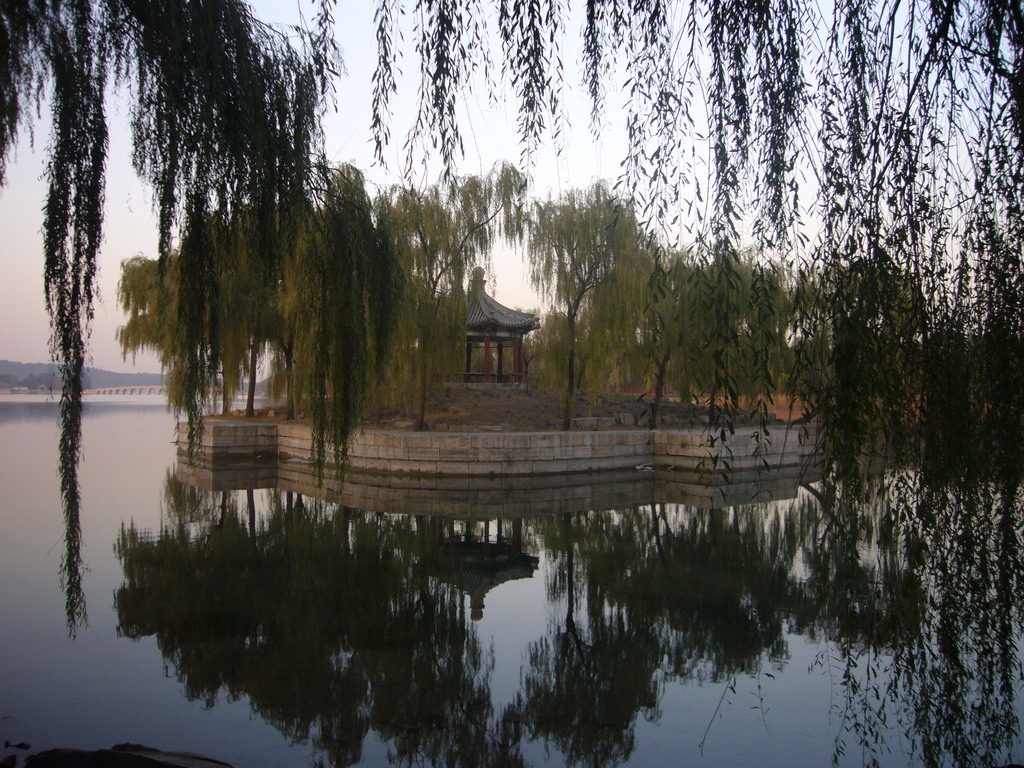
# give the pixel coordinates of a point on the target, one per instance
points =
(72, 225)
(226, 117)
(904, 122)
(343, 310)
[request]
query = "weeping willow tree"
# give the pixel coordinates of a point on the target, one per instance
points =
(549, 349)
(651, 327)
(574, 244)
(344, 308)
(328, 309)
(148, 292)
(742, 305)
(439, 234)
(226, 114)
(862, 140)
(668, 330)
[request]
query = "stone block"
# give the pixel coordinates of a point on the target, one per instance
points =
(517, 441)
(486, 467)
(425, 453)
(458, 442)
(547, 440)
(495, 454)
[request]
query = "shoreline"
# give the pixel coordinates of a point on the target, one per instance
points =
(749, 452)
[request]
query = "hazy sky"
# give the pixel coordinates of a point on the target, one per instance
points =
(130, 226)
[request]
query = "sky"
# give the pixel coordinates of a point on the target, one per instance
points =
(130, 224)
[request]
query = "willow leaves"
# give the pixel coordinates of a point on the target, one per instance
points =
(226, 116)
(875, 148)
(438, 235)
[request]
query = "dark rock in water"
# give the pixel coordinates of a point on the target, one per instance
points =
(120, 756)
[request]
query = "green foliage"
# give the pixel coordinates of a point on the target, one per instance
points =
(226, 117)
(150, 294)
(575, 244)
(908, 122)
(343, 308)
(328, 311)
(439, 235)
(718, 331)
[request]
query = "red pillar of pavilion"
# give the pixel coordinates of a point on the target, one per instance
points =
(487, 358)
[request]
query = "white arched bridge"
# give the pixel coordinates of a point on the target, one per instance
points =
(143, 389)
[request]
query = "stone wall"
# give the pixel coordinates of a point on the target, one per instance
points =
(783, 449)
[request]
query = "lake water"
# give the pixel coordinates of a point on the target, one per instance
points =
(268, 629)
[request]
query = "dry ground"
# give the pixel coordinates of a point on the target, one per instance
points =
(464, 409)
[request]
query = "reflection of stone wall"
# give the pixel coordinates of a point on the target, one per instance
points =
(488, 497)
(477, 497)
(748, 488)
(468, 454)
(227, 476)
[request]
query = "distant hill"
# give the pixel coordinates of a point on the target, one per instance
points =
(46, 375)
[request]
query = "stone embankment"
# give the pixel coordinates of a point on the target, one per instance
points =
(692, 454)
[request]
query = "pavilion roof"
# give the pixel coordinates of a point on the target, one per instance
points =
(483, 313)
(486, 313)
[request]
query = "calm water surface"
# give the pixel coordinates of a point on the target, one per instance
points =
(268, 629)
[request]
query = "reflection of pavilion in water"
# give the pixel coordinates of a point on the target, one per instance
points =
(473, 525)
(473, 561)
(648, 596)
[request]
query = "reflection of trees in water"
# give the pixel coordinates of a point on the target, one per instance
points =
(586, 681)
(322, 620)
(335, 622)
(72, 567)
(927, 639)
(922, 622)
(650, 595)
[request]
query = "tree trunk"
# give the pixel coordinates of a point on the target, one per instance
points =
(250, 398)
(421, 406)
(659, 389)
(570, 386)
(421, 396)
(289, 383)
(581, 376)
(250, 501)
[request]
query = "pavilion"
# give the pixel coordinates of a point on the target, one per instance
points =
(493, 325)
(473, 561)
